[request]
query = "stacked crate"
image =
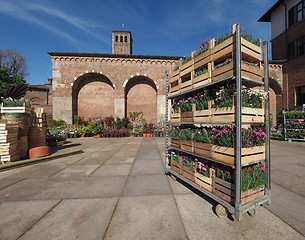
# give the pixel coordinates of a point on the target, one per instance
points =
(38, 128)
(8, 142)
(185, 78)
(20, 117)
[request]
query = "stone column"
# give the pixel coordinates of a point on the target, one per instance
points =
(119, 108)
(161, 107)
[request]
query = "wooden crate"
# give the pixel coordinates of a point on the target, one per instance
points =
(226, 191)
(23, 146)
(174, 85)
(202, 59)
(176, 166)
(188, 173)
(24, 109)
(175, 142)
(223, 50)
(203, 181)
(187, 68)
(186, 85)
(247, 71)
(227, 155)
(202, 115)
(249, 115)
(175, 117)
(250, 51)
(223, 72)
(202, 149)
(187, 116)
(187, 145)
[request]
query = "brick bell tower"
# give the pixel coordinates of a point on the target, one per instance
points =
(122, 42)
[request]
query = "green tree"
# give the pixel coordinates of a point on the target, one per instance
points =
(7, 81)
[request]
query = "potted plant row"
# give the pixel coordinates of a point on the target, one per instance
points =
(217, 143)
(219, 179)
(212, 60)
(219, 106)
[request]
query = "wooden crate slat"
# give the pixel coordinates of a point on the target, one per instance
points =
(251, 53)
(188, 173)
(228, 42)
(203, 181)
(251, 46)
(201, 78)
(187, 145)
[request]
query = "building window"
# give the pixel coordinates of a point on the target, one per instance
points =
(296, 48)
(300, 92)
(121, 38)
(116, 38)
(125, 38)
(300, 46)
(296, 13)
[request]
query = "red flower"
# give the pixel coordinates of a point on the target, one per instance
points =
(251, 170)
(257, 178)
(223, 174)
(218, 169)
(267, 168)
(247, 170)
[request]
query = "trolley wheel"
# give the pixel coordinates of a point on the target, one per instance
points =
(221, 211)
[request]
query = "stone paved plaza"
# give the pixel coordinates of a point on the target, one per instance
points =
(117, 189)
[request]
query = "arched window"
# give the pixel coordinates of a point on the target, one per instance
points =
(125, 38)
(116, 38)
(121, 38)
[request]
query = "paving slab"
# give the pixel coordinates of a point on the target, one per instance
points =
(140, 185)
(120, 160)
(179, 187)
(75, 219)
(146, 217)
(288, 180)
(65, 160)
(125, 154)
(292, 212)
(59, 188)
(149, 141)
(148, 153)
(150, 167)
(113, 170)
(200, 223)
(5, 182)
(76, 171)
(39, 171)
(20, 217)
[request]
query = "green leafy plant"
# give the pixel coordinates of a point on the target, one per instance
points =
(187, 162)
(200, 72)
(10, 102)
(202, 135)
(176, 157)
(254, 176)
(185, 60)
(203, 47)
(186, 134)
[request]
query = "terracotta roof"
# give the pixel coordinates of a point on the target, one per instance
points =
(107, 55)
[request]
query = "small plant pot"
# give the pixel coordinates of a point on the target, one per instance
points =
(39, 152)
(98, 135)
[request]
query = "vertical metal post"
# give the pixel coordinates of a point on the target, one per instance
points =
(238, 122)
(166, 126)
(284, 124)
(267, 116)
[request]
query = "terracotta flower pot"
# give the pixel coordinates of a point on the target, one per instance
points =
(98, 135)
(39, 152)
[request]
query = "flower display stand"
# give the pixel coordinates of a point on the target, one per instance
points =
(243, 70)
(226, 191)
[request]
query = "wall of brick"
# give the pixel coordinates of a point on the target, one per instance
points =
(69, 72)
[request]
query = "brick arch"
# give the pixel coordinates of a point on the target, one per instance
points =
(93, 96)
(37, 101)
(140, 94)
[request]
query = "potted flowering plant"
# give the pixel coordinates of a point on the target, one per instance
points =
(202, 140)
(187, 139)
(253, 141)
(176, 162)
(203, 174)
(175, 137)
(187, 168)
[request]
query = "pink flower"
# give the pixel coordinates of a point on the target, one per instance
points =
(214, 129)
(248, 145)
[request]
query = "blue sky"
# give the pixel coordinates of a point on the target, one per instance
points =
(159, 27)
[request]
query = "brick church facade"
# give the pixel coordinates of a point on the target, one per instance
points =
(94, 85)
